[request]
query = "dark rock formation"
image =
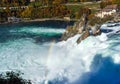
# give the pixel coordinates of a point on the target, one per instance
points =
(96, 30)
(84, 35)
(116, 17)
(81, 27)
(78, 28)
(70, 32)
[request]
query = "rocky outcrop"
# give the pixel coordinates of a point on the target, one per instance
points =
(116, 17)
(81, 27)
(78, 28)
(84, 35)
(96, 30)
(70, 32)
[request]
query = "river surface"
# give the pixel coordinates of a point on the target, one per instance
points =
(36, 50)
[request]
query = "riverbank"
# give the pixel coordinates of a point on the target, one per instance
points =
(42, 19)
(45, 19)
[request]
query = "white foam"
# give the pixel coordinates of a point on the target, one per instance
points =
(38, 63)
(66, 59)
(114, 29)
(72, 60)
(40, 30)
(116, 58)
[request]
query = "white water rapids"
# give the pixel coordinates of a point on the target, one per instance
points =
(46, 62)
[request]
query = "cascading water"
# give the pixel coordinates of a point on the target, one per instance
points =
(43, 61)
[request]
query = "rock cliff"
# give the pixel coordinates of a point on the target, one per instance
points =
(81, 27)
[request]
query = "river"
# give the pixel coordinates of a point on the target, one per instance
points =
(36, 50)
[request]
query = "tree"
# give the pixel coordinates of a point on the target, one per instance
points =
(12, 78)
(27, 12)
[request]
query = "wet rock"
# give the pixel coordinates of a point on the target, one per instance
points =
(96, 30)
(78, 28)
(70, 32)
(81, 27)
(84, 35)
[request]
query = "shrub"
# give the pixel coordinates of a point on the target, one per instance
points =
(12, 78)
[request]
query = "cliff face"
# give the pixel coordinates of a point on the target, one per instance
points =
(81, 27)
(84, 35)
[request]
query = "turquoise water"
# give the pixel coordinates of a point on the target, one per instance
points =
(39, 31)
(36, 50)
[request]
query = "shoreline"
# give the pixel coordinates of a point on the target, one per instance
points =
(27, 20)
(47, 19)
(40, 20)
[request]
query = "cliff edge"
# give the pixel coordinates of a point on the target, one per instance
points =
(81, 27)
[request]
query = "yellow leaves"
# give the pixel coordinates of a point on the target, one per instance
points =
(86, 11)
(27, 12)
(77, 15)
(91, 16)
(56, 2)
